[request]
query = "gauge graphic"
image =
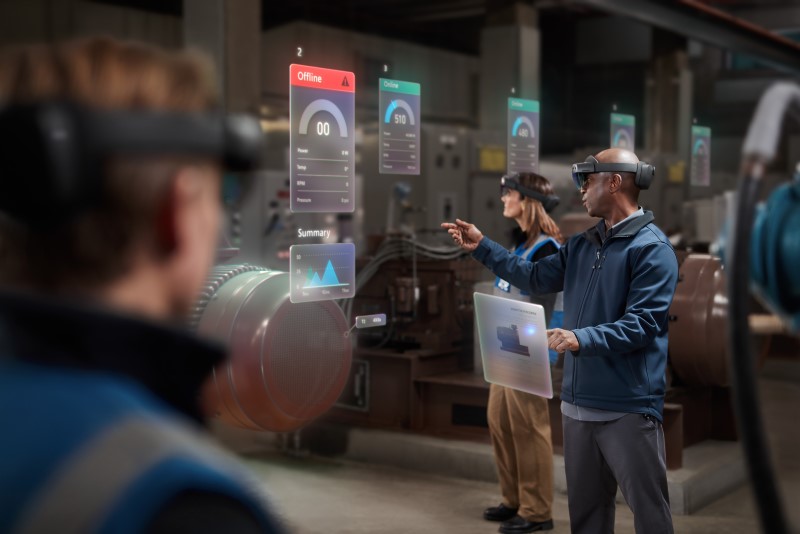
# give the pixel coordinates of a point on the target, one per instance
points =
(399, 104)
(321, 140)
(700, 147)
(701, 152)
(323, 105)
(523, 144)
(528, 131)
(322, 272)
(622, 139)
(399, 127)
(623, 131)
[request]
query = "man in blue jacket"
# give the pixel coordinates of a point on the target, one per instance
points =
(618, 280)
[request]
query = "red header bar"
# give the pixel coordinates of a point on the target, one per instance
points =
(319, 78)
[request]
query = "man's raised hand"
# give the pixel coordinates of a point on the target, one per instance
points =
(465, 235)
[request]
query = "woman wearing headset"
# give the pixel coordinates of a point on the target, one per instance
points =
(519, 422)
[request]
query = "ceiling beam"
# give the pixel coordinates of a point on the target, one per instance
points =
(712, 26)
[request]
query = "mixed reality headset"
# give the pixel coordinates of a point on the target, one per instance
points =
(510, 182)
(53, 153)
(644, 172)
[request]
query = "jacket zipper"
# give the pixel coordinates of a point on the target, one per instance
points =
(595, 267)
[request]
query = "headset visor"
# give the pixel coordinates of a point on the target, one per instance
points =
(581, 171)
(510, 182)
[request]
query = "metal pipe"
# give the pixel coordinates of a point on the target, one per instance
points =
(759, 148)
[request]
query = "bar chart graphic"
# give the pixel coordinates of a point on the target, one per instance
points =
(322, 272)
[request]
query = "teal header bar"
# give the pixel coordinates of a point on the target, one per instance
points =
(523, 105)
(622, 119)
(396, 86)
(701, 130)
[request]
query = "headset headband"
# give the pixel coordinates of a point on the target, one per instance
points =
(511, 181)
(52, 153)
(644, 172)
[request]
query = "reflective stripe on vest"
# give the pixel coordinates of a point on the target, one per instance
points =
(526, 254)
(82, 493)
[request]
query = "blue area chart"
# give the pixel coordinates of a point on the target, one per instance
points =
(328, 279)
(321, 272)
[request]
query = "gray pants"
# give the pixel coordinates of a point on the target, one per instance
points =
(599, 455)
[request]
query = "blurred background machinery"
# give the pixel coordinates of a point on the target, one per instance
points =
(288, 362)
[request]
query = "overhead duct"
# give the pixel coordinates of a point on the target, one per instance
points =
(288, 362)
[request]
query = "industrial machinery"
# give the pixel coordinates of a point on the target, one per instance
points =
(764, 254)
(426, 292)
(288, 362)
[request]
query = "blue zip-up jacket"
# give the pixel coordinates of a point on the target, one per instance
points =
(617, 294)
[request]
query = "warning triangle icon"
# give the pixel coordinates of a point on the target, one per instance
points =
(345, 83)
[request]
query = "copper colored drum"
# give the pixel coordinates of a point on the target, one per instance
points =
(697, 334)
(288, 362)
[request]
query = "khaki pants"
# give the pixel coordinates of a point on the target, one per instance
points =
(519, 424)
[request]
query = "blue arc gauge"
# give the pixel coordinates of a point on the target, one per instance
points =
(622, 139)
(523, 135)
(399, 127)
(699, 145)
(402, 104)
(519, 122)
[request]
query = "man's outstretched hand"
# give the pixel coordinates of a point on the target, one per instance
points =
(465, 235)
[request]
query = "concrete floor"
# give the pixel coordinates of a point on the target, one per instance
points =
(319, 495)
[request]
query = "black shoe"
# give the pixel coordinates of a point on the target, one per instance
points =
(519, 524)
(499, 513)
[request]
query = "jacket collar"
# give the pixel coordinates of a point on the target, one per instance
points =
(597, 234)
(169, 361)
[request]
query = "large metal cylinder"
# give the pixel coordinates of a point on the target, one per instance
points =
(697, 342)
(288, 362)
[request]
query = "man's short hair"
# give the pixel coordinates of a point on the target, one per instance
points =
(97, 246)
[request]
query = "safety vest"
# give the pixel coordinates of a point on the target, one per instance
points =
(554, 305)
(93, 452)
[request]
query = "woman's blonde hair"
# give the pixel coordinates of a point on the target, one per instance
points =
(96, 247)
(535, 220)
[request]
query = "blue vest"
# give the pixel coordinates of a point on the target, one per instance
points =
(520, 251)
(556, 319)
(90, 451)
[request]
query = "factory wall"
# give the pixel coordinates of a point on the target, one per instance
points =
(28, 21)
(582, 77)
(448, 79)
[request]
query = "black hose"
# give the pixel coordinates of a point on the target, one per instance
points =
(743, 368)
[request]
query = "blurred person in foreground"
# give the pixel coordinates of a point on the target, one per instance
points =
(99, 381)
(618, 280)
